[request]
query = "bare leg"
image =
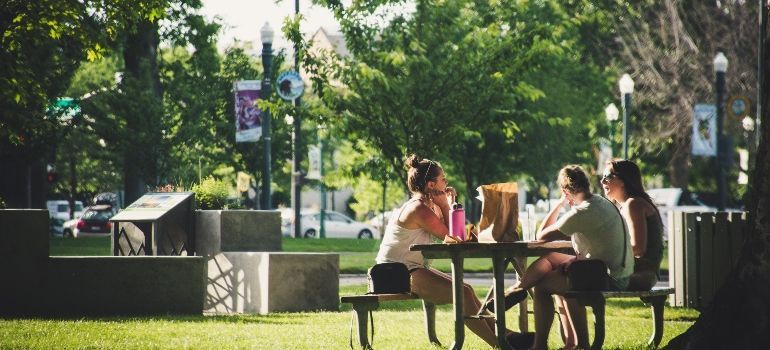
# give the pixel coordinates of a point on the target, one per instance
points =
(567, 330)
(554, 282)
(540, 268)
(577, 317)
(436, 287)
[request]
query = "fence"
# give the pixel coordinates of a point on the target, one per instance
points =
(703, 248)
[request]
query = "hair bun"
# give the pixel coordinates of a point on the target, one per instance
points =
(412, 161)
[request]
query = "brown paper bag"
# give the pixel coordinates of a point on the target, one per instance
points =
(499, 212)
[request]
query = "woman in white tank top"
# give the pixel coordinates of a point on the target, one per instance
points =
(421, 219)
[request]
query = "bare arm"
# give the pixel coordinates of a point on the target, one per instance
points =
(547, 230)
(634, 213)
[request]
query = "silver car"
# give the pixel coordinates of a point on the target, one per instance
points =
(337, 226)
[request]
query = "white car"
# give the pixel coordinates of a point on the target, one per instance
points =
(337, 226)
(59, 212)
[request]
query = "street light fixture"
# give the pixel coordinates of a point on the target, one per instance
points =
(266, 34)
(612, 115)
(720, 67)
(626, 85)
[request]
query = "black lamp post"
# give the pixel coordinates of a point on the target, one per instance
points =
(321, 137)
(720, 67)
(267, 59)
(626, 85)
(612, 115)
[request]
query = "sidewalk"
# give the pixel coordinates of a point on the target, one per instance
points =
(475, 279)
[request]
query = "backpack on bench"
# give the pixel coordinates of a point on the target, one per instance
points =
(389, 278)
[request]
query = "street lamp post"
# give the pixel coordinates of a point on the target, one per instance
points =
(612, 115)
(266, 34)
(626, 85)
(720, 67)
(321, 137)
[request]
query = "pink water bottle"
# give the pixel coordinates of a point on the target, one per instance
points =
(457, 221)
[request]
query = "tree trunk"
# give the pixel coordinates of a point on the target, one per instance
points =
(679, 165)
(144, 113)
(739, 315)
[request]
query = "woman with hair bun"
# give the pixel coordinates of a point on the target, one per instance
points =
(422, 218)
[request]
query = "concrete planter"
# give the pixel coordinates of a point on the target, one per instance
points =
(237, 231)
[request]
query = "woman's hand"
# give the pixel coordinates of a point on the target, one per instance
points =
(451, 194)
(441, 198)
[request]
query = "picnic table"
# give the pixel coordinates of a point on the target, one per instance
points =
(499, 253)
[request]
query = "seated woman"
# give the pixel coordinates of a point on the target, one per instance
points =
(596, 230)
(622, 184)
(424, 216)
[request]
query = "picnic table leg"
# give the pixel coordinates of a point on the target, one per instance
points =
(361, 310)
(457, 298)
(498, 270)
(597, 304)
(519, 265)
(430, 321)
(657, 318)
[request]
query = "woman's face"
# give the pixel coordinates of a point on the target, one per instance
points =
(611, 183)
(440, 183)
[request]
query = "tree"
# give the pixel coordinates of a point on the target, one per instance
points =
(737, 316)
(42, 44)
(668, 47)
(457, 80)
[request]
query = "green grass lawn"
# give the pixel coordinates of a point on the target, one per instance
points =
(398, 325)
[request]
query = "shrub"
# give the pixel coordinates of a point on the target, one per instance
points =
(211, 193)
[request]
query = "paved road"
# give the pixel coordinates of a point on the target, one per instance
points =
(474, 279)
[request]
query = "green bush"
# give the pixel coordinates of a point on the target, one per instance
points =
(211, 193)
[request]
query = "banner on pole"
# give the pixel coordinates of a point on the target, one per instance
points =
(704, 130)
(248, 116)
(314, 158)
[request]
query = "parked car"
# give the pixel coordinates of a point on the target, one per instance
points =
(337, 225)
(59, 212)
(95, 220)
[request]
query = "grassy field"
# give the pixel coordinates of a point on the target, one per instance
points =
(399, 325)
(356, 255)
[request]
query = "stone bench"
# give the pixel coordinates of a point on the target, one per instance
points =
(597, 301)
(363, 304)
(265, 282)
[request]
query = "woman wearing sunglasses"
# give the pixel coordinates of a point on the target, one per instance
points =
(622, 184)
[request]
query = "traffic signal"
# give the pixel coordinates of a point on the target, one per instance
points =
(51, 175)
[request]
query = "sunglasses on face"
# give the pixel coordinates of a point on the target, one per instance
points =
(607, 176)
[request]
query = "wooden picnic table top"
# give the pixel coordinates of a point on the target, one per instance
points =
(485, 250)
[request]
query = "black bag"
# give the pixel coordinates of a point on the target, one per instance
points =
(389, 278)
(588, 275)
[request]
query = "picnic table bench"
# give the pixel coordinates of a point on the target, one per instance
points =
(363, 304)
(597, 301)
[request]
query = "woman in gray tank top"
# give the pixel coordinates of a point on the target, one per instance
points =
(622, 183)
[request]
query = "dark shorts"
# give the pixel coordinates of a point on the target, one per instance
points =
(619, 284)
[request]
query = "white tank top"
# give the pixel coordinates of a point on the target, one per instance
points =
(395, 245)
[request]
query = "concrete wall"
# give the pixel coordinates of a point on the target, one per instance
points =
(24, 256)
(237, 230)
(264, 282)
(118, 285)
